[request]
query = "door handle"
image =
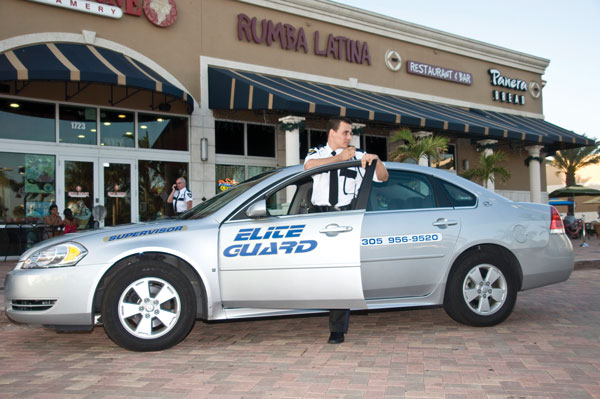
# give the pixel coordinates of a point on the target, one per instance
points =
(333, 229)
(443, 222)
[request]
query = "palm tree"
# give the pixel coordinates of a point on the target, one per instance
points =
(571, 160)
(414, 148)
(488, 169)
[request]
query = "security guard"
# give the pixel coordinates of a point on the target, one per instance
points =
(180, 197)
(335, 190)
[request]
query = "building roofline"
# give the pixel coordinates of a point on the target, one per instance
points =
(367, 21)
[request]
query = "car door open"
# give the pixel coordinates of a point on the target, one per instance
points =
(294, 261)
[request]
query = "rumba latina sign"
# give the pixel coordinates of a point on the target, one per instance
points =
(291, 38)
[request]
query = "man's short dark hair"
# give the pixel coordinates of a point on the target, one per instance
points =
(334, 123)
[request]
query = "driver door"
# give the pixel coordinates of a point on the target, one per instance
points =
(290, 257)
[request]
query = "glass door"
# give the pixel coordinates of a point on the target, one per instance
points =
(117, 178)
(85, 182)
(79, 189)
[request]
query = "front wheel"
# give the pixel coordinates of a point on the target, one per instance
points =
(148, 306)
(482, 290)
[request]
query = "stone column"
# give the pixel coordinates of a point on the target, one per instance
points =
(487, 150)
(535, 184)
(424, 160)
(357, 130)
(291, 125)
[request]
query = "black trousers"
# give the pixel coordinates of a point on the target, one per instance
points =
(338, 320)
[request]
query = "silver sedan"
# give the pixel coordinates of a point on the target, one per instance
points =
(423, 238)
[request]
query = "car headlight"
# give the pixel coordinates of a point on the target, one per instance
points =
(65, 254)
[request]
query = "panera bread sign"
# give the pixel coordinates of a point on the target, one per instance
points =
(498, 80)
(290, 38)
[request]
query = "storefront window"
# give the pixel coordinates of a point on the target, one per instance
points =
(257, 170)
(27, 120)
(155, 181)
(448, 159)
(116, 128)
(27, 187)
(229, 138)
(230, 175)
(261, 140)
(376, 145)
(162, 132)
(310, 139)
(77, 125)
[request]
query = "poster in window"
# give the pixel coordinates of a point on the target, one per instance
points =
(39, 174)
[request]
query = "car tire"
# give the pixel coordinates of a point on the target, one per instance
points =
(148, 306)
(481, 290)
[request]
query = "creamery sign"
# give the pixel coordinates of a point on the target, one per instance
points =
(290, 38)
(162, 13)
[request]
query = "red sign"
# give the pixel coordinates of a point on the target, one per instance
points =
(160, 12)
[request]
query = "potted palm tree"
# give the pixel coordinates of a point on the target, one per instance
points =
(488, 169)
(414, 148)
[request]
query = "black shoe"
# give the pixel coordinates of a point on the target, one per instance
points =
(336, 338)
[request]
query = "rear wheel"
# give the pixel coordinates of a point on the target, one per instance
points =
(148, 306)
(482, 290)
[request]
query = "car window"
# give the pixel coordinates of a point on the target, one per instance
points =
(218, 201)
(295, 198)
(403, 190)
(459, 196)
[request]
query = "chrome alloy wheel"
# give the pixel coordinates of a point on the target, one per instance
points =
(149, 308)
(485, 289)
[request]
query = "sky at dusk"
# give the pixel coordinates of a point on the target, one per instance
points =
(566, 33)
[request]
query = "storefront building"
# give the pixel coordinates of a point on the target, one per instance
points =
(107, 102)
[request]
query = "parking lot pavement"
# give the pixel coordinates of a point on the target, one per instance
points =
(548, 348)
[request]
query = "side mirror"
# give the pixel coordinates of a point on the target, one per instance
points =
(257, 210)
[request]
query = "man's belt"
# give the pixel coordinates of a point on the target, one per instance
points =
(328, 208)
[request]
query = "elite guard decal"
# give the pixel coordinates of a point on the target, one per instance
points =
(270, 247)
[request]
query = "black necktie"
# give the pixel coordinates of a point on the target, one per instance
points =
(333, 185)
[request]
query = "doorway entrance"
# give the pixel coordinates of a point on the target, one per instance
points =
(85, 182)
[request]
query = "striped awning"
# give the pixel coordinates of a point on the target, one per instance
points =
(74, 62)
(232, 89)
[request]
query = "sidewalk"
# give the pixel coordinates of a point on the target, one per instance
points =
(589, 256)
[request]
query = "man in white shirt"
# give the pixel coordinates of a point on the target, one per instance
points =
(335, 190)
(180, 197)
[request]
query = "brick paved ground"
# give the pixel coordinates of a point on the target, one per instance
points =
(548, 348)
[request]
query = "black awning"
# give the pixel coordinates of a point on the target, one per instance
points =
(73, 62)
(232, 89)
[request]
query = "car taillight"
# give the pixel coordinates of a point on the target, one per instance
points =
(556, 224)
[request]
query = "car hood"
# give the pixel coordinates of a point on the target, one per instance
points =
(82, 237)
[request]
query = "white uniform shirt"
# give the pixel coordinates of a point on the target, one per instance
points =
(180, 200)
(349, 179)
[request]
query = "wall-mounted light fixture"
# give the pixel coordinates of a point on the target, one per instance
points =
(465, 164)
(204, 149)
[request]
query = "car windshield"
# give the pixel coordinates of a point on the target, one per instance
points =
(220, 200)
